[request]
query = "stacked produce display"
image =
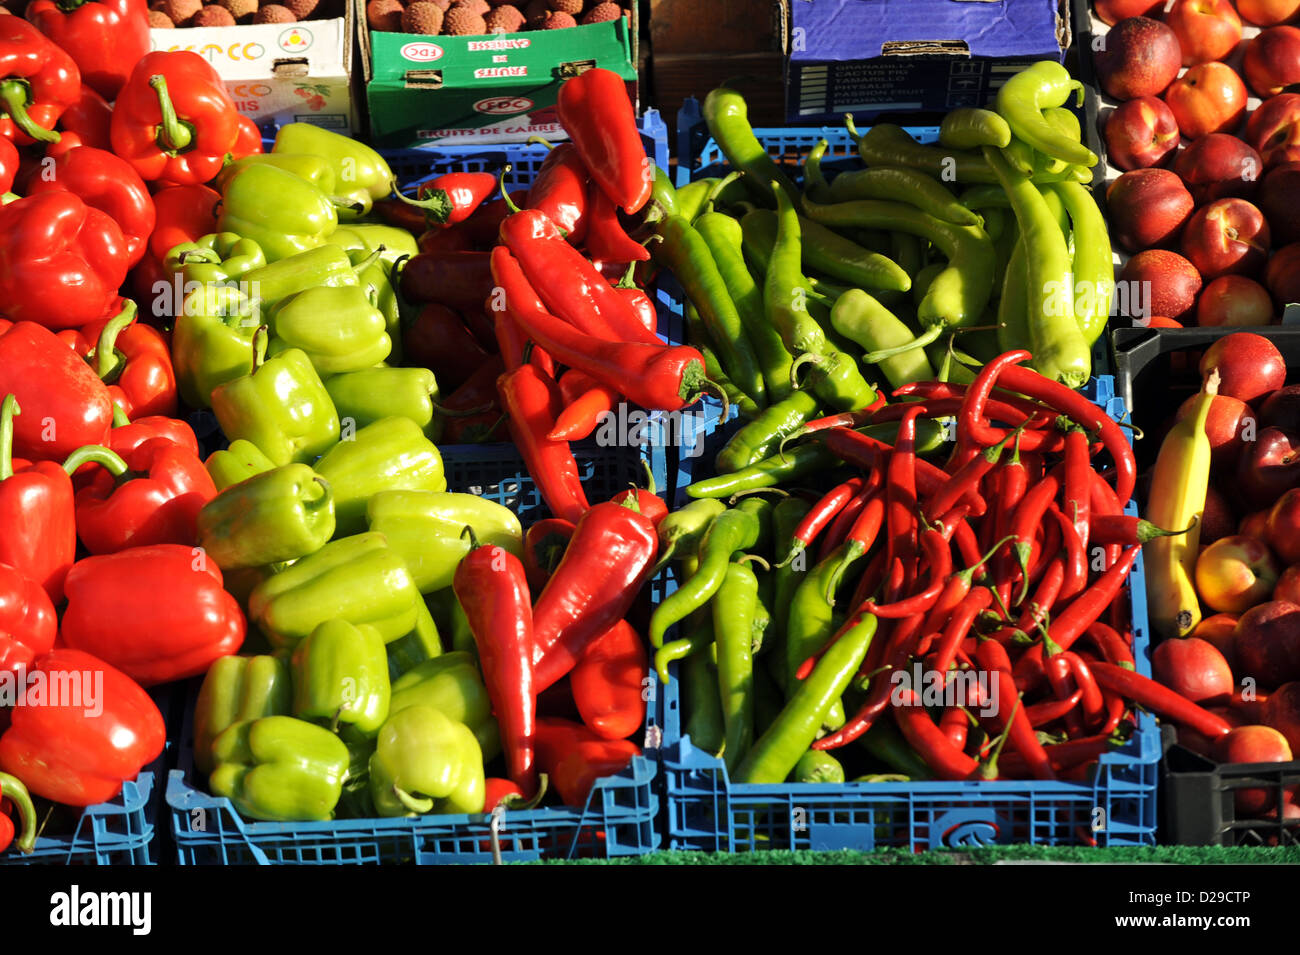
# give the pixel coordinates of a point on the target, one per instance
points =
(329, 490)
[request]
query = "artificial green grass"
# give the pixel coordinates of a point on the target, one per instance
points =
(1168, 855)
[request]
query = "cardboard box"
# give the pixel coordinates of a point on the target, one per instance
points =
(282, 72)
(440, 90)
(874, 57)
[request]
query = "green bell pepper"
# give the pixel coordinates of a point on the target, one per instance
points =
(278, 515)
(280, 769)
(361, 175)
(378, 282)
(315, 169)
(338, 328)
(426, 762)
(282, 408)
(370, 394)
(340, 675)
(236, 463)
(359, 579)
(362, 238)
(221, 258)
(237, 689)
(453, 686)
(270, 285)
(451, 619)
(390, 455)
(422, 644)
(425, 528)
(212, 342)
(283, 214)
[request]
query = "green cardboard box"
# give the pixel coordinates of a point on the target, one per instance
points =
(440, 90)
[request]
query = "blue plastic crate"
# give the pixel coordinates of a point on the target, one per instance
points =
(619, 819)
(706, 811)
(122, 831)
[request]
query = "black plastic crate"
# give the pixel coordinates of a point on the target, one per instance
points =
(1198, 800)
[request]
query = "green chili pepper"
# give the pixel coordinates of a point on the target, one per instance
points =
(1004, 244)
(733, 530)
(1022, 99)
(684, 251)
(1094, 273)
(663, 198)
(969, 128)
(886, 144)
(692, 197)
(780, 468)
(725, 240)
(733, 622)
(727, 117)
(700, 700)
(681, 531)
(886, 743)
(698, 336)
(774, 756)
(763, 436)
(1054, 336)
(900, 184)
(815, 766)
(863, 319)
(768, 700)
(785, 577)
(811, 622)
(763, 608)
(814, 181)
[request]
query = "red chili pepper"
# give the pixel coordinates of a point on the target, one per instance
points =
(939, 560)
(64, 405)
(607, 683)
(1040, 605)
(597, 113)
(545, 542)
(532, 401)
(1126, 529)
(1047, 543)
(966, 478)
(1160, 700)
(610, 557)
(863, 533)
(1114, 648)
(1040, 714)
(61, 260)
(866, 452)
(575, 758)
(568, 283)
(993, 660)
(404, 215)
(1064, 756)
(491, 587)
(839, 529)
(28, 623)
(67, 752)
(1077, 480)
(483, 228)
(1094, 707)
(504, 793)
(644, 499)
(657, 377)
(581, 416)
(38, 81)
(1029, 518)
(955, 724)
(607, 240)
(90, 118)
(439, 340)
(156, 613)
(1063, 684)
(945, 760)
(957, 626)
(1076, 559)
(900, 491)
(464, 192)
(968, 547)
(152, 497)
(641, 305)
(560, 192)
(173, 120)
(822, 513)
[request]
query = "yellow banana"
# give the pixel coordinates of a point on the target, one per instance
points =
(1177, 498)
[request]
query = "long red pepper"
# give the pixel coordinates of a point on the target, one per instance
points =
(1160, 700)
(866, 452)
(1103, 504)
(1039, 415)
(1126, 529)
(821, 514)
(1042, 713)
(1076, 558)
(1064, 756)
(838, 532)
(1114, 649)
(560, 191)
(492, 588)
(1094, 707)
(955, 725)
(657, 377)
(531, 399)
(1029, 517)
(900, 491)
(957, 627)
(931, 743)
(939, 560)
(581, 416)
(993, 660)
(968, 476)
(607, 240)
(1036, 438)
(1063, 684)
(1037, 611)
(863, 534)
(1077, 483)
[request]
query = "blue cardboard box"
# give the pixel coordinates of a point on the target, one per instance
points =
(875, 57)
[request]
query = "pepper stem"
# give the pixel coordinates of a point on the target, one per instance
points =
(174, 134)
(721, 184)
(715, 388)
(505, 194)
(12, 788)
(368, 261)
(539, 141)
(519, 803)
(746, 558)
(96, 454)
(120, 417)
(15, 97)
(7, 411)
(261, 338)
(473, 540)
(436, 203)
(807, 358)
(418, 806)
(109, 362)
(930, 335)
(852, 127)
(990, 769)
(1149, 532)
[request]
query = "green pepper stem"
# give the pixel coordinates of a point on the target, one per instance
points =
(649, 476)
(368, 261)
(746, 558)
(120, 417)
(7, 411)
(15, 97)
(109, 362)
(990, 769)
(261, 339)
(344, 204)
(436, 203)
(539, 141)
(515, 803)
(321, 493)
(852, 127)
(12, 788)
(721, 184)
(96, 454)
(807, 358)
(505, 194)
(930, 335)
(419, 806)
(713, 386)
(473, 539)
(174, 135)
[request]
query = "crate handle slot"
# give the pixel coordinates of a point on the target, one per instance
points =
(925, 48)
(574, 68)
(290, 66)
(423, 79)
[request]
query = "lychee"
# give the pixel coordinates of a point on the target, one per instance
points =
(302, 9)
(504, 20)
(213, 16)
(157, 20)
(559, 21)
(481, 7)
(571, 7)
(181, 11)
(241, 10)
(461, 20)
(384, 15)
(274, 13)
(422, 18)
(602, 13)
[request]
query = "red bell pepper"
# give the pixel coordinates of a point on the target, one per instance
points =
(8, 164)
(655, 376)
(574, 757)
(597, 113)
(544, 544)
(105, 38)
(83, 743)
(135, 361)
(611, 555)
(157, 613)
(185, 213)
(61, 261)
(28, 623)
(152, 495)
(38, 81)
(173, 120)
(531, 399)
(249, 140)
(64, 405)
(126, 437)
(493, 591)
(607, 240)
(38, 532)
(104, 182)
(560, 191)
(14, 794)
(608, 683)
(90, 118)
